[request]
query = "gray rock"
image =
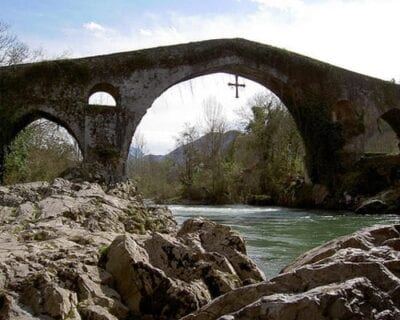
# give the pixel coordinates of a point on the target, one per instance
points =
(372, 206)
(352, 277)
(51, 239)
(353, 299)
(166, 277)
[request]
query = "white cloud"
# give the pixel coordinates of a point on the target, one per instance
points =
(287, 5)
(93, 26)
(359, 35)
(145, 32)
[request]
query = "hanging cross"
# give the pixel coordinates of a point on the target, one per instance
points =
(237, 85)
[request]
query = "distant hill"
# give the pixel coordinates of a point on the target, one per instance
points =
(177, 155)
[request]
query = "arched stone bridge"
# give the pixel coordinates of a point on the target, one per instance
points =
(336, 110)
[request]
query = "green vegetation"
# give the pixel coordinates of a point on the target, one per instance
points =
(40, 152)
(107, 153)
(226, 166)
(103, 250)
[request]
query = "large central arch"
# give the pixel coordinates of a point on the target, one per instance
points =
(321, 135)
(315, 93)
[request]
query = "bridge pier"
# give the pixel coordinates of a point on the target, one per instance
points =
(106, 143)
(105, 165)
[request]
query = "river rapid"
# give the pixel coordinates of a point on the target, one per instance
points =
(275, 236)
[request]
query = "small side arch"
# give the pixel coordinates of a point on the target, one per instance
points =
(107, 95)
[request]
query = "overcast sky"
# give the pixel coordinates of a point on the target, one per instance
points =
(360, 35)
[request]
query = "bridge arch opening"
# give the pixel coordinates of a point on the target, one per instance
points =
(40, 149)
(104, 94)
(161, 136)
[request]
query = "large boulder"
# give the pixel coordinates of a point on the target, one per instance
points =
(166, 277)
(352, 277)
(372, 206)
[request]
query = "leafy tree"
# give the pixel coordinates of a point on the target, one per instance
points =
(157, 179)
(272, 151)
(42, 151)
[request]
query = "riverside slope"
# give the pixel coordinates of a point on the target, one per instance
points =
(82, 251)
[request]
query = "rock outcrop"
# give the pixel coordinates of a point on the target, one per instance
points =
(352, 277)
(385, 202)
(166, 277)
(83, 251)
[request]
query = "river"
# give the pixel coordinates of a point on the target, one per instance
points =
(275, 236)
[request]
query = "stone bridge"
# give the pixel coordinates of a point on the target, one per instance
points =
(336, 111)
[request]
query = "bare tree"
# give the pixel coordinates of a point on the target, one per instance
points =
(186, 140)
(138, 146)
(137, 151)
(12, 50)
(215, 126)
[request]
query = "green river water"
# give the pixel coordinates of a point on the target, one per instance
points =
(276, 236)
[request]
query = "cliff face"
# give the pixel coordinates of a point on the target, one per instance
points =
(82, 251)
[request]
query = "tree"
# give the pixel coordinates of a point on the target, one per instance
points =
(215, 126)
(137, 151)
(14, 51)
(272, 149)
(210, 168)
(186, 141)
(40, 152)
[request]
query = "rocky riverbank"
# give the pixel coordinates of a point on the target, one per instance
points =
(83, 251)
(352, 277)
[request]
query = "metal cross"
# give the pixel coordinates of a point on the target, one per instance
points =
(237, 85)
